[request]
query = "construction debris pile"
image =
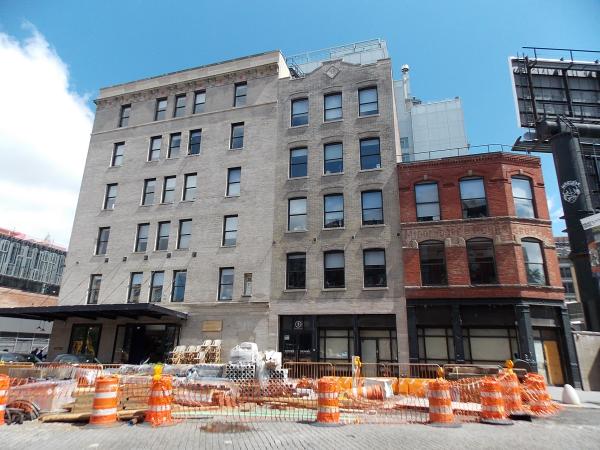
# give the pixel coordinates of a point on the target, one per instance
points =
(255, 385)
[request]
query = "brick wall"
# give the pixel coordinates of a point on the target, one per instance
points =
(502, 226)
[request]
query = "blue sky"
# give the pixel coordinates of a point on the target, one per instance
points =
(454, 48)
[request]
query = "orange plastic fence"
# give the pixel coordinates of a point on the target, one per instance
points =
(4, 385)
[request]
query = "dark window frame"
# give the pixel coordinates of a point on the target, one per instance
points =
(88, 326)
(226, 232)
(329, 274)
(222, 285)
(179, 110)
(197, 108)
(161, 113)
(108, 197)
(94, 292)
(417, 203)
(302, 117)
(236, 142)
(290, 215)
(163, 236)
(116, 155)
(366, 157)
(530, 200)
(175, 285)
(140, 240)
(189, 192)
(339, 160)
(231, 183)
(152, 150)
(361, 103)
(154, 286)
(294, 166)
(326, 109)
(240, 99)
(295, 279)
(181, 236)
(362, 205)
(527, 265)
(146, 192)
(326, 212)
(170, 191)
(124, 118)
(442, 266)
(374, 269)
(194, 142)
(102, 241)
(130, 289)
(174, 137)
(465, 210)
(472, 262)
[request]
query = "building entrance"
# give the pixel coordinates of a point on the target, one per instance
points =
(137, 343)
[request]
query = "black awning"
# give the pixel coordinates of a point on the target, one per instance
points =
(111, 311)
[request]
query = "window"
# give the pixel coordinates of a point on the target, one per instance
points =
(199, 101)
(565, 272)
(102, 241)
(333, 106)
(179, 105)
(189, 187)
(404, 143)
(161, 109)
(533, 256)
(368, 104)
(233, 181)
(482, 267)
(85, 340)
(374, 268)
(569, 287)
(298, 162)
(195, 142)
(296, 271)
(156, 286)
(297, 214)
(370, 156)
(334, 158)
(372, 208)
(333, 215)
(94, 289)
(334, 270)
(124, 116)
(162, 237)
(299, 112)
(168, 195)
(237, 135)
(230, 227)
(135, 287)
(436, 345)
(336, 345)
(149, 189)
(472, 196)
(110, 196)
(141, 239)
(154, 153)
(178, 288)
(247, 285)
(117, 155)
(432, 256)
(521, 190)
(226, 283)
(185, 234)
(428, 202)
(240, 94)
(174, 145)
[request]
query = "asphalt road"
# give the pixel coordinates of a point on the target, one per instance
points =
(571, 429)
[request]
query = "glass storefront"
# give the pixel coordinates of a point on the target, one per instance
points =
(85, 339)
(137, 343)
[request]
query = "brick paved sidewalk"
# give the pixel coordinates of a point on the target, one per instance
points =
(572, 429)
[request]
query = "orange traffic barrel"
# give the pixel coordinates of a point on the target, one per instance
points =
(160, 401)
(104, 406)
(374, 392)
(440, 404)
(511, 394)
(328, 405)
(4, 385)
(492, 405)
(540, 402)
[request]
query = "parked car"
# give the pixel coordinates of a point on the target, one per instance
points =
(69, 358)
(13, 357)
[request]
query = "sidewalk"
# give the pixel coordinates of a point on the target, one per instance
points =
(589, 399)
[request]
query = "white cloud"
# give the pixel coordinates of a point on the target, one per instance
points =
(44, 136)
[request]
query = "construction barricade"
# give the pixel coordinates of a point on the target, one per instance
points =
(328, 412)
(104, 406)
(4, 385)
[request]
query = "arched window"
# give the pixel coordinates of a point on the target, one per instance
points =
(472, 198)
(482, 266)
(433, 263)
(428, 202)
(533, 256)
(523, 196)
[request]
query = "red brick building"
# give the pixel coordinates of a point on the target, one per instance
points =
(480, 268)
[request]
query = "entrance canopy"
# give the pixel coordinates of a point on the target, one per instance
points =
(108, 311)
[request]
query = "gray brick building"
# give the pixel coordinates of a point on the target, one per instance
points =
(240, 201)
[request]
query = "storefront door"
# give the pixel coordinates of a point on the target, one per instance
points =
(136, 343)
(547, 355)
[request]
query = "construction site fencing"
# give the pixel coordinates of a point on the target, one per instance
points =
(380, 393)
